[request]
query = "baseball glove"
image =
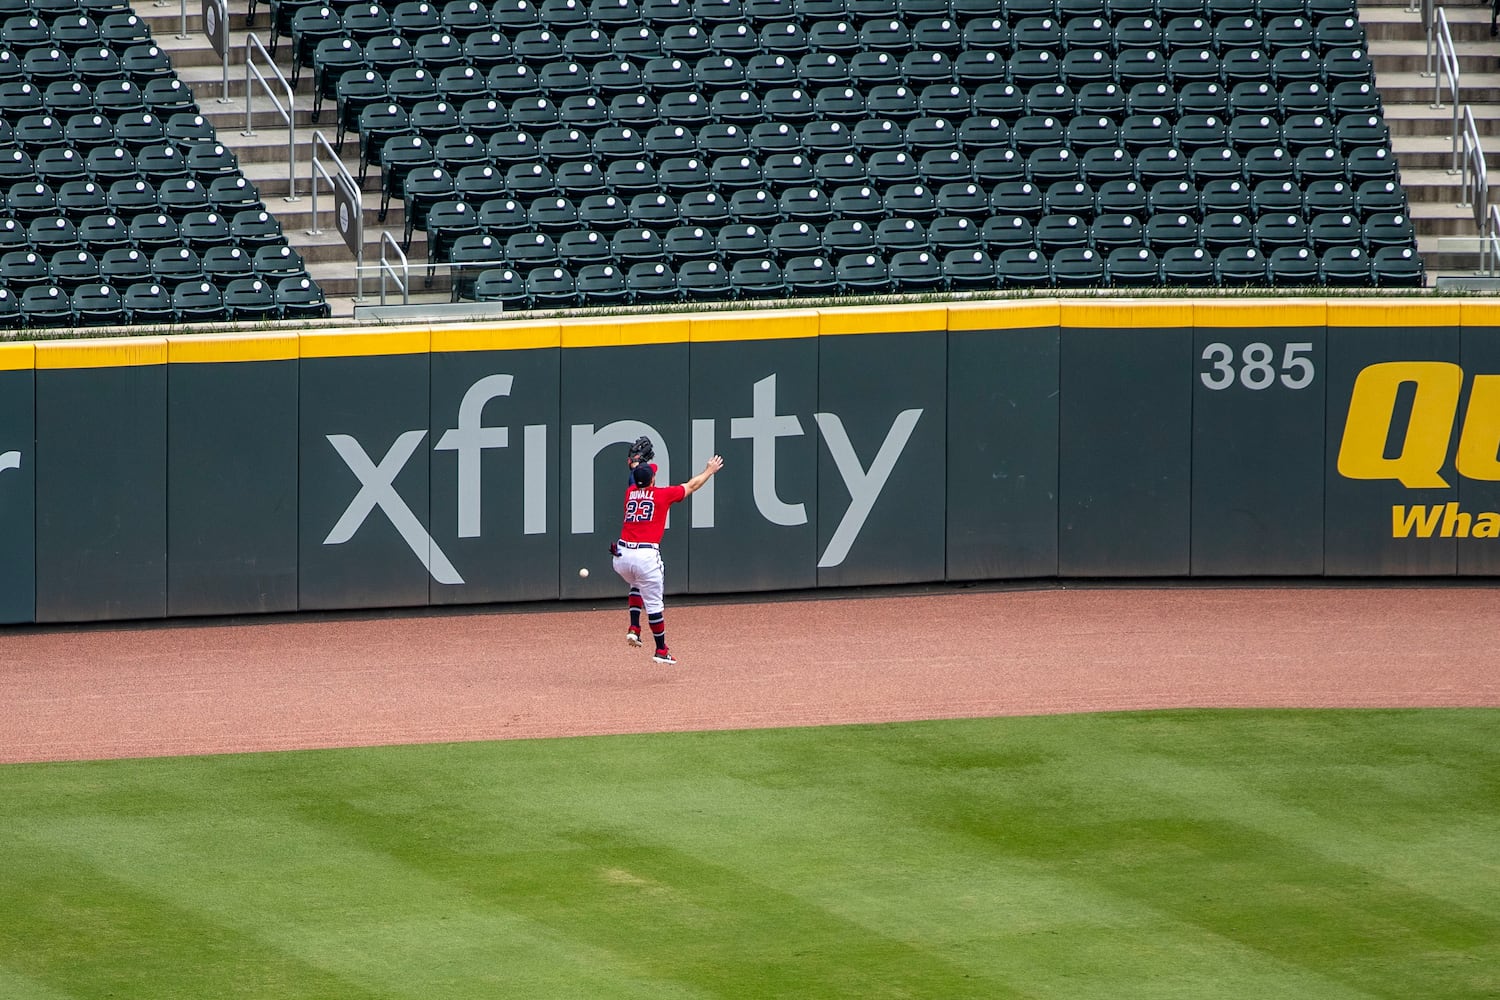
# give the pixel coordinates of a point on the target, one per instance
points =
(641, 451)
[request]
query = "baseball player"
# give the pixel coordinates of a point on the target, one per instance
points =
(637, 554)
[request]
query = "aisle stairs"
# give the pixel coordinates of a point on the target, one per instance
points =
(1421, 137)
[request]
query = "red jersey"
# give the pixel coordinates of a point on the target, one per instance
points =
(646, 512)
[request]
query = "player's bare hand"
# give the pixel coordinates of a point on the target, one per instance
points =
(714, 465)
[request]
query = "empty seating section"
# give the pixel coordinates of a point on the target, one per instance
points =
(117, 203)
(566, 152)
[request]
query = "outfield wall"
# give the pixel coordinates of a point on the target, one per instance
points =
(197, 475)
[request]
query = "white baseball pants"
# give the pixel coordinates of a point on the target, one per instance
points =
(642, 569)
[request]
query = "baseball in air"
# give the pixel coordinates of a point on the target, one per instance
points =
(583, 573)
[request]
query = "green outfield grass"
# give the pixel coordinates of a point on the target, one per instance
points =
(1304, 854)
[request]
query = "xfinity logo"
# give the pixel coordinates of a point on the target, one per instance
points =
(765, 425)
(472, 437)
(377, 489)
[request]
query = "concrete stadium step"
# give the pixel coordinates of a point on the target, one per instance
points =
(1410, 55)
(271, 140)
(1449, 255)
(1422, 152)
(1423, 120)
(1386, 22)
(1422, 139)
(269, 144)
(267, 167)
(213, 73)
(1442, 213)
(1413, 88)
(1421, 135)
(1443, 218)
(193, 51)
(327, 244)
(208, 87)
(343, 291)
(342, 288)
(1466, 23)
(1430, 184)
(166, 26)
(296, 216)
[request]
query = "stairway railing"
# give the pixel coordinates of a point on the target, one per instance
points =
(1475, 187)
(288, 113)
(1490, 245)
(1446, 67)
(340, 181)
(401, 278)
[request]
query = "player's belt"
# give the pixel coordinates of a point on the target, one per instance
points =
(637, 545)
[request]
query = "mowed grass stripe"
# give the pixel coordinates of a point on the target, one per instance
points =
(1176, 854)
(224, 854)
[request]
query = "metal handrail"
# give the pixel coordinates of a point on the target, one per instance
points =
(1475, 186)
(1491, 244)
(1426, 7)
(288, 111)
(320, 142)
(387, 267)
(1447, 57)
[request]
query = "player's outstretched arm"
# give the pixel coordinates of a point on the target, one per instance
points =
(714, 465)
